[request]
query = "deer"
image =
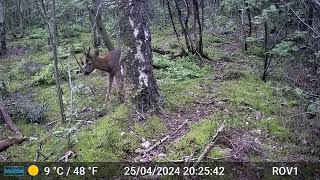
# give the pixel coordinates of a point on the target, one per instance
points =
(110, 63)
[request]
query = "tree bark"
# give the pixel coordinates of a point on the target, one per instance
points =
(199, 46)
(266, 58)
(55, 57)
(135, 33)
(3, 45)
(184, 29)
(97, 9)
(94, 32)
(53, 38)
(174, 26)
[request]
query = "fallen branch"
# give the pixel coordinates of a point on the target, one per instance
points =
(17, 138)
(209, 146)
(163, 139)
(5, 115)
(156, 144)
(5, 144)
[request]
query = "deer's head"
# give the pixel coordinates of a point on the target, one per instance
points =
(90, 62)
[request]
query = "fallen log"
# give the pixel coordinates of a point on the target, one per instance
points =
(5, 144)
(17, 138)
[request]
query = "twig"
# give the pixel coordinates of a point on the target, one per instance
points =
(156, 145)
(209, 146)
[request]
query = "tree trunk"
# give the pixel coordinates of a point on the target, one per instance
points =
(97, 9)
(55, 57)
(266, 58)
(135, 33)
(20, 13)
(197, 17)
(94, 32)
(3, 46)
(53, 38)
(174, 26)
(184, 29)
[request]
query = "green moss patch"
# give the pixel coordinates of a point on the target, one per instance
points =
(196, 139)
(108, 140)
(252, 92)
(151, 128)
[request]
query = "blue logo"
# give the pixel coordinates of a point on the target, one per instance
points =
(13, 171)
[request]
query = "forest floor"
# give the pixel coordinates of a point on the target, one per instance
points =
(263, 121)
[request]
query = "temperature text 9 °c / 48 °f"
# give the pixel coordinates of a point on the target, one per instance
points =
(66, 171)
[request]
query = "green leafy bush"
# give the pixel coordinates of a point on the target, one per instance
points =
(182, 69)
(284, 49)
(38, 33)
(46, 75)
(71, 31)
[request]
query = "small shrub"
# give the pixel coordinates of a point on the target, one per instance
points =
(46, 75)
(28, 67)
(38, 33)
(71, 31)
(182, 69)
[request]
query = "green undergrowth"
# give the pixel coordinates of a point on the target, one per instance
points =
(107, 140)
(246, 97)
(196, 139)
(151, 128)
(251, 96)
(179, 80)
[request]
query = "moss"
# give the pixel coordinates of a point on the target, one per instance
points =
(211, 39)
(196, 139)
(256, 50)
(252, 92)
(107, 140)
(180, 94)
(216, 153)
(151, 128)
(274, 129)
(27, 151)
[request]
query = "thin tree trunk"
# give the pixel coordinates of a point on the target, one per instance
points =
(55, 57)
(174, 27)
(20, 13)
(186, 25)
(184, 30)
(266, 59)
(53, 38)
(3, 45)
(97, 6)
(249, 19)
(197, 17)
(243, 31)
(94, 33)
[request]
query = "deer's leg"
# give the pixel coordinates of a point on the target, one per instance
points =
(120, 86)
(111, 77)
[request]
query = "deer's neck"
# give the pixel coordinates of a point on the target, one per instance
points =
(102, 65)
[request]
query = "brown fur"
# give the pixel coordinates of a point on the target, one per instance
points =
(110, 63)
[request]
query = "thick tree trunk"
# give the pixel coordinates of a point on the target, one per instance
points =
(97, 9)
(135, 33)
(3, 46)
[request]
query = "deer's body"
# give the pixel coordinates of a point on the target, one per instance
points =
(110, 63)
